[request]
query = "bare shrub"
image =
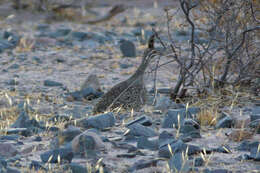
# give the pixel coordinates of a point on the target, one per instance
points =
(230, 53)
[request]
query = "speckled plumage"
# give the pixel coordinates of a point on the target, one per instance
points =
(131, 93)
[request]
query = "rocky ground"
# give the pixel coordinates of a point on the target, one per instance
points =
(46, 101)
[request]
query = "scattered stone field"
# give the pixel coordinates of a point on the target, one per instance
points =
(52, 73)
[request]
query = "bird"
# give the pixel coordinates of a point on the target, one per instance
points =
(131, 93)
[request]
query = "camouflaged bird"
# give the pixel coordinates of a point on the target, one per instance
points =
(131, 93)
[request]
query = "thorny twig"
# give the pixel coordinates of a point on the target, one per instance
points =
(186, 7)
(175, 55)
(185, 73)
(253, 12)
(237, 47)
(155, 73)
(230, 55)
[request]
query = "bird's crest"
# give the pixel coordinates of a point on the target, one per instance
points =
(151, 42)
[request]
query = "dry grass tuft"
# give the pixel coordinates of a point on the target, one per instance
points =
(208, 117)
(7, 117)
(212, 103)
(238, 135)
(25, 45)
